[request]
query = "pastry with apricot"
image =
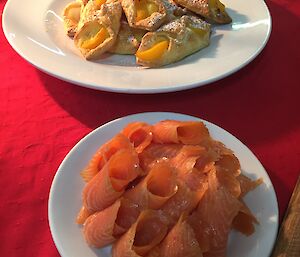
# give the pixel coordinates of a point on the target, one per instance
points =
(99, 34)
(212, 10)
(173, 41)
(144, 14)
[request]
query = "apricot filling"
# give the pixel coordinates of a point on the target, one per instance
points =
(94, 36)
(73, 13)
(100, 2)
(144, 9)
(153, 53)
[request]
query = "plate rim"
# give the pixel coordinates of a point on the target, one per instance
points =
(96, 130)
(134, 90)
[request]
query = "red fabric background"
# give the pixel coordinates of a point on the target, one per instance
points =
(41, 118)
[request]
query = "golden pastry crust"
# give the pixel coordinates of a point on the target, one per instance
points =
(151, 23)
(213, 10)
(71, 17)
(185, 36)
(128, 39)
(108, 18)
(173, 10)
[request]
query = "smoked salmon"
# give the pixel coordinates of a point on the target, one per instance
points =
(103, 155)
(213, 218)
(158, 186)
(109, 184)
(180, 242)
(186, 132)
(139, 134)
(147, 232)
(165, 190)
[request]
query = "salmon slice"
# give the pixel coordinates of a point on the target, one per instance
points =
(158, 186)
(83, 215)
(230, 164)
(98, 228)
(213, 218)
(247, 184)
(186, 158)
(109, 184)
(229, 181)
(103, 155)
(180, 241)
(126, 216)
(147, 232)
(138, 133)
(157, 153)
(244, 221)
(186, 132)
(190, 191)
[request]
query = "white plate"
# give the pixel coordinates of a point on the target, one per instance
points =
(65, 193)
(35, 31)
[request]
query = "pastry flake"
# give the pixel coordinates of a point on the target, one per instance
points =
(98, 34)
(173, 41)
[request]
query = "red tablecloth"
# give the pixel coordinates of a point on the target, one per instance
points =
(41, 118)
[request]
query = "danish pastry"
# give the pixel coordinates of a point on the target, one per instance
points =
(71, 17)
(213, 10)
(99, 33)
(144, 14)
(173, 41)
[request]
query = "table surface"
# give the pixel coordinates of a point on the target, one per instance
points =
(42, 118)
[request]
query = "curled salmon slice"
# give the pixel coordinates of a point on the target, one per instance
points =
(244, 221)
(83, 214)
(139, 134)
(186, 132)
(248, 184)
(126, 216)
(109, 184)
(213, 218)
(103, 154)
(98, 228)
(155, 153)
(180, 241)
(191, 189)
(187, 157)
(147, 232)
(157, 187)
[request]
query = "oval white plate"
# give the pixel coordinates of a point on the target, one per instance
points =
(35, 31)
(65, 193)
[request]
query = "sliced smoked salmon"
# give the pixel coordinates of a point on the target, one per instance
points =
(103, 155)
(186, 132)
(167, 189)
(213, 218)
(157, 187)
(186, 198)
(98, 228)
(109, 184)
(248, 184)
(157, 153)
(147, 232)
(139, 134)
(180, 242)
(244, 221)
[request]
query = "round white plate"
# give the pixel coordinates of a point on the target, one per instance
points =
(65, 193)
(35, 31)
